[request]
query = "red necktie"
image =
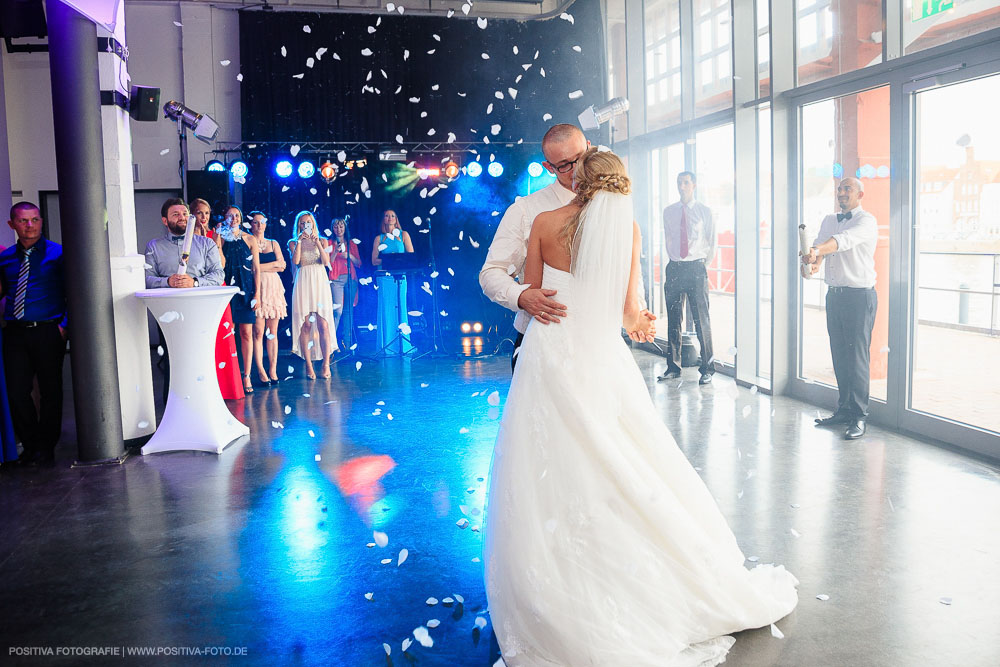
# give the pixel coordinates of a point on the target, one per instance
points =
(684, 231)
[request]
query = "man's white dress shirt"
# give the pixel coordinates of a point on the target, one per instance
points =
(853, 264)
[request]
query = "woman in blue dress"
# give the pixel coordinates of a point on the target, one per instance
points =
(391, 288)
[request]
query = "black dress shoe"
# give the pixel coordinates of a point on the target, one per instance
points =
(834, 420)
(669, 374)
(706, 378)
(856, 429)
(27, 458)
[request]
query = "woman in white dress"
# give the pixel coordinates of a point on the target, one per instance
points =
(312, 302)
(603, 545)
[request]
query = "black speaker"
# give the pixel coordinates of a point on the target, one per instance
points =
(144, 103)
(213, 187)
(22, 18)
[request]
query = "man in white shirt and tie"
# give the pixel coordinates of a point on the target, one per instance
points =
(846, 241)
(563, 145)
(689, 232)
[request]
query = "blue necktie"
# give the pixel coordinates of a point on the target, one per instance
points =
(22, 284)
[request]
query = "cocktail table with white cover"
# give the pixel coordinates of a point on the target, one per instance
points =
(196, 416)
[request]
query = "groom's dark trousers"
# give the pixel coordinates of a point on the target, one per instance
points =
(513, 355)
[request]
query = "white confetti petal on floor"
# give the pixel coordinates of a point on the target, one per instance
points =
(406, 644)
(823, 596)
(945, 601)
(380, 538)
(567, 17)
(386, 647)
(462, 523)
(433, 623)
(576, 94)
(775, 632)
(430, 602)
(357, 366)
(481, 622)
(386, 561)
(225, 63)
(369, 596)
(794, 532)
(423, 637)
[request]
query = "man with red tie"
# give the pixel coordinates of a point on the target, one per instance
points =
(689, 232)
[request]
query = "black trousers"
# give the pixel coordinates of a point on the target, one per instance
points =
(690, 280)
(513, 355)
(850, 317)
(27, 354)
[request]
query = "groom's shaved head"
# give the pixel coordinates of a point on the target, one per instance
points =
(560, 133)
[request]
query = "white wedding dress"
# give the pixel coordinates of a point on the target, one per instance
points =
(603, 545)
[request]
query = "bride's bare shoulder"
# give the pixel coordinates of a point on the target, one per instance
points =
(556, 217)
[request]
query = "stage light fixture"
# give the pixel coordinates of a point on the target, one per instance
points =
(215, 165)
(535, 170)
(283, 169)
(477, 327)
(201, 125)
(474, 169)
(466, 327)
(495, 169)
(239, 169)
(592, 117)
(328, 171)
(428, 172)
(306, 169)
(451, 170)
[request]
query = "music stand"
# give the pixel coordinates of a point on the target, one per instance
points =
(398, 264)
(435, 350)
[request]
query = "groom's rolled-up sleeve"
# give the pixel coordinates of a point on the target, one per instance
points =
(509, 249)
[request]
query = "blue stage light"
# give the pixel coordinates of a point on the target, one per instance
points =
(215, 165)
(495, 169)
(474, 169)
(283, 169)
(306, 169)
(239, 169)
(535, 170)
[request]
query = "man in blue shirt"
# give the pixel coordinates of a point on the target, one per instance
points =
(34, 342)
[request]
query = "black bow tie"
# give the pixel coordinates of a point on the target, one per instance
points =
(843, 216)
(177, 238)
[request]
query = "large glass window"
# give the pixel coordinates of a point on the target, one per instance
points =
(713, 78)
(716, 177)
(765, 235)
(928, 23)
(663, 63)
(763, 49)
(666, 163)
(836, 36)
(956, 313)
(849, 136)
(617, 70)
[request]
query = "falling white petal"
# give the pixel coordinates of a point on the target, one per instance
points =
(576, 94)
(225, 63)
(567, 17)
(366, 52)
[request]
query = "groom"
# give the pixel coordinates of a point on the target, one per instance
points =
(563, 146)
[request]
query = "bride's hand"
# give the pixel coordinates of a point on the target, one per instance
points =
(644, 330)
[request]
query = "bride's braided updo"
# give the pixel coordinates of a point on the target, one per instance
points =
(596, 171)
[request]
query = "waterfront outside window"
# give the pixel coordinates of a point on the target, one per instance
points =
(836, 36)
(662, 30)
(956, 315)
(928, 23)
(849, 136)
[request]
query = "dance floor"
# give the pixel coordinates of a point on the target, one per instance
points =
(353, 516)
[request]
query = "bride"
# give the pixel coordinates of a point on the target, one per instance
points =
(603, 545)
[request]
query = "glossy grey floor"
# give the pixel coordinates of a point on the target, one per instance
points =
(266, 548)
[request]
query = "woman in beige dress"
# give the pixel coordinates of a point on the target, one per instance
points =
(312, 302)
(272, 306)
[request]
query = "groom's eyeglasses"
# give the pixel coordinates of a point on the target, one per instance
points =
(566, 166)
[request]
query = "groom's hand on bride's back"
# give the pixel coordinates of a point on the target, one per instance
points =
(536, 302)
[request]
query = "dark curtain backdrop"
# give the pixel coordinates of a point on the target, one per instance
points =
(443, 86)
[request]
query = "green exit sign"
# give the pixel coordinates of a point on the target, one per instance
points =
(921, 9)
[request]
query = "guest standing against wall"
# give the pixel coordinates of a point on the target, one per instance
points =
(241, 261)
(689, 232)
(344, 280)
(34, 340)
